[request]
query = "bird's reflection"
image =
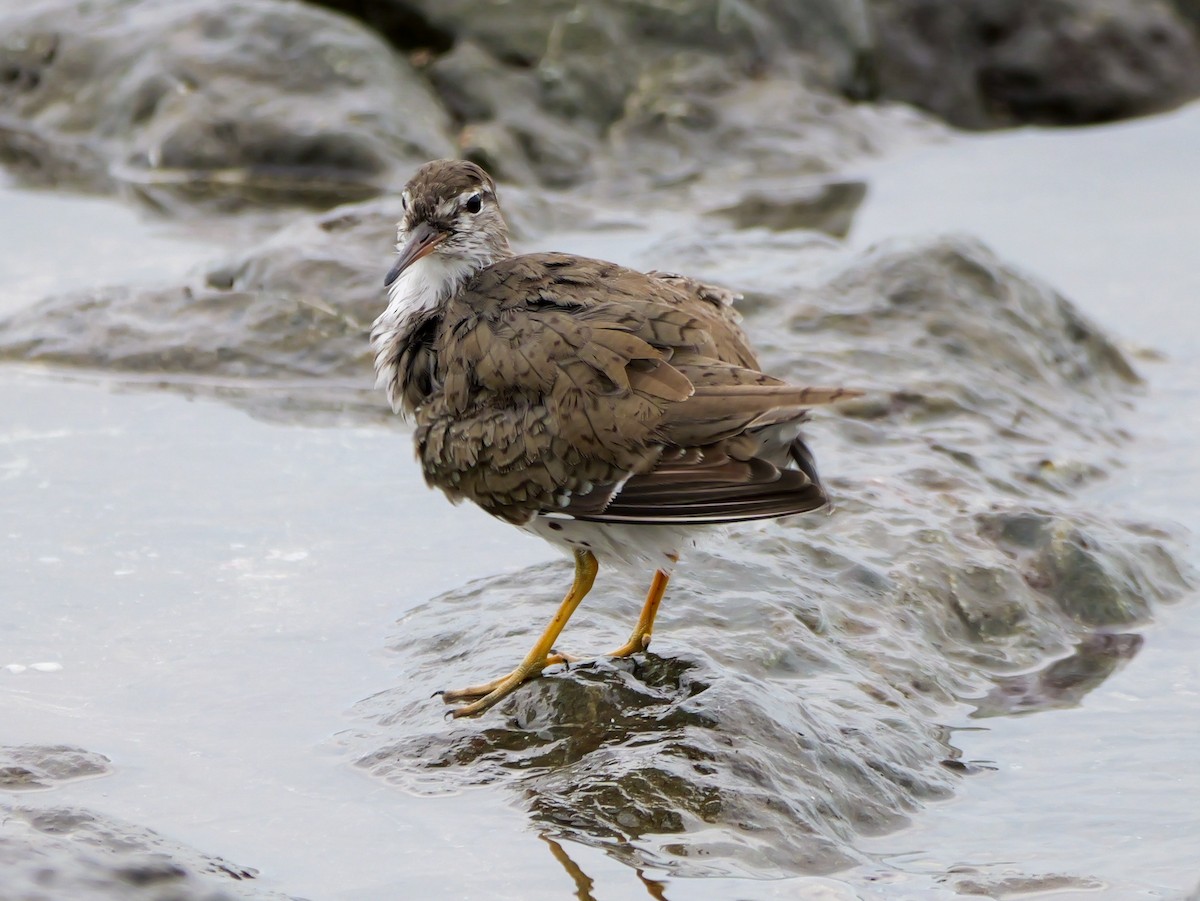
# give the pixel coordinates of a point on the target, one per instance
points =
(584, 883)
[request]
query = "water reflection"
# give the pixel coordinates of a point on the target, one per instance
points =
(584, 883)
(1063, 683)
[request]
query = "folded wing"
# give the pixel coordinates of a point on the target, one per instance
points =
(579, 387)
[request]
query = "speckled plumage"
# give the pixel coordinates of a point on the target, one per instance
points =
(607, 410)
(561, 378)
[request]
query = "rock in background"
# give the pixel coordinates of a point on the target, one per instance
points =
(277, 100)
(996, 63)
(212, 102)
(548, 89)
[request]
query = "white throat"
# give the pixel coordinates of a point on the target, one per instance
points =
(421, 288)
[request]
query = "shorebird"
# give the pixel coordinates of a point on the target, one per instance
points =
(611, 412)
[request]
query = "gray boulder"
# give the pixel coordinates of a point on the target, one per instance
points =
(989, 63)
(588, 56)
(35, 767)
(1189, 9)
(565, 92)
(218, 103)
(207, 100)
(53, 853)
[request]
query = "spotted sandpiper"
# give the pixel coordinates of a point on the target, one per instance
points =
(611, 412)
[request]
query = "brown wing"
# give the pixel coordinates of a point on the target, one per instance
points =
(578, 386)
(713, 301)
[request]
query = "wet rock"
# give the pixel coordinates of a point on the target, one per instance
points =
(63, 852)
(295, 310)
(1016, 885)
(220, 102)
(597, 49)
(1190, 10)
(981, 343)
(636, 756)
(123, 332)
(635, 94)
(299, 306)
(506, 130)
(806, 663)
(690, 119)
(827, 207)
(989, 63)
(25, 767)
(1091, 582)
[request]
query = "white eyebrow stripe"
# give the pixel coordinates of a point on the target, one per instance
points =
(448, 208)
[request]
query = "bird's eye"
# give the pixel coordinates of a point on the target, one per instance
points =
(404, 201)
(474, 203)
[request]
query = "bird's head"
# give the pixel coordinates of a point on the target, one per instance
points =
(450, 209)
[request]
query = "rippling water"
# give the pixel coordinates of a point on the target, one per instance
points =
(1108, 215)
(214, 589)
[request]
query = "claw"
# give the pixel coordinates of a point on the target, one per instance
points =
(536, 660)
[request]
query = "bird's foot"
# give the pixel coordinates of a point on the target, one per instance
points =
(556, 656)
(499, 687)
(638, 642)
(540, 656)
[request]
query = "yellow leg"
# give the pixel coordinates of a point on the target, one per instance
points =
(640, 639)
(478, 691)
(540, 655)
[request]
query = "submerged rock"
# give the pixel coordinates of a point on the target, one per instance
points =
(64, 852)
(216, 102)
(746, 749)
(983, 63)
(978, 882)
(28, 767)
(827, 207)
(1066, 681)
(805, 669)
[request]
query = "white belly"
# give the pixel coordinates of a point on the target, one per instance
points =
(636, 546)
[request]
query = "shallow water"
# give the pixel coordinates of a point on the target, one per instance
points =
(211, 584)
(1109, 216)
(55, 243)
